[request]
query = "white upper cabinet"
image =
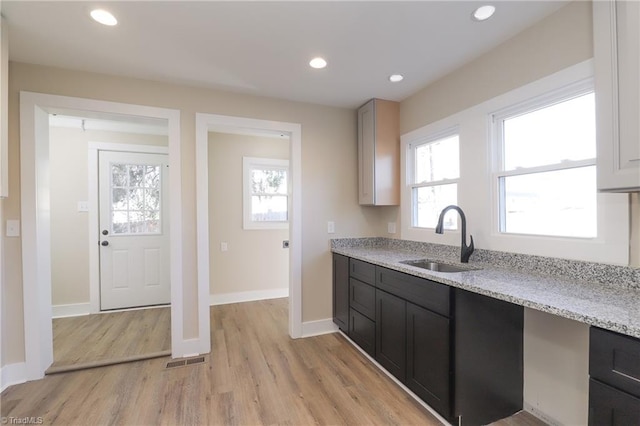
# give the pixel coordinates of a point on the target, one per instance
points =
(379, 153)
(616, 30)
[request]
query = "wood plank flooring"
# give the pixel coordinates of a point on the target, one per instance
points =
(110, 336)
(255, 375)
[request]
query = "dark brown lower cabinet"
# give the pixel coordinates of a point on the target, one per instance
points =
(391, 333)
(610, 407)
(363, 331)
(489, 374)
(428, 357)
(341, 292)
(614, 387)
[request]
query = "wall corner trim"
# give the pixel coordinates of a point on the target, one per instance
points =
(319, 327)
(12, 374)
(71, 310)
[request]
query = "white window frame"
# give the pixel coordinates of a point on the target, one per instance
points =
(412, 166)
(477, 193)
(566, 93)
(252, 163)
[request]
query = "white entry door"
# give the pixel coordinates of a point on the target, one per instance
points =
(134, 229)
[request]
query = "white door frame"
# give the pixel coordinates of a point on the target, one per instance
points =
(36, 227)
(94, 225)
(206, 123)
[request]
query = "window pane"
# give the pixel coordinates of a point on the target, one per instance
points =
(437, 160)
(119, 223)
(564, 131)
(558, 203)
(269, 181)
(269, 208)
(135, 203)
(429, 202)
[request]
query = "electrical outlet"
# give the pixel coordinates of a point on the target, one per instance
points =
(391, 227)
(224, 246)
(83, 206)
(331, 227)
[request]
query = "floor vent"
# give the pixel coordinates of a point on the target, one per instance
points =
(184, 362)
(197, 360)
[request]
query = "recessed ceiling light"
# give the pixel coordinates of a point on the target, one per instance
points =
(318, 63)
(484, 12)
(395, 78)
(104, 17)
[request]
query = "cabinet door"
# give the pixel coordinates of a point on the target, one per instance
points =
(616, 46)
(366, 153)
(611, 407)
(391, 333)
(341, 291)
(363, 331)
(428, 366)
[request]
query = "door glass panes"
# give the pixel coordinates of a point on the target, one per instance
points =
(565, 131)
(556, 203)
(269, 195)
(135, 199)
(438, 160)
(429, 202)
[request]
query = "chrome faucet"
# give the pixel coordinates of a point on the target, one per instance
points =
(465, 250)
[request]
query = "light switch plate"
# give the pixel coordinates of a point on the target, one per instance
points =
(83, 206)
(13, 228)
(224, 246)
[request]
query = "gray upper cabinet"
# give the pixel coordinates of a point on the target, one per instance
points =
(379, 153)
(616, 30)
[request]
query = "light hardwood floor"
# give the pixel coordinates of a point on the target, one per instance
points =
(112, 336)
(255, 375)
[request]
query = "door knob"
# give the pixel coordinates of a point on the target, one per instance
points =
(105, 243)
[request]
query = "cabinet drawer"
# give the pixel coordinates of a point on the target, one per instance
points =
(422, 292)
(363, 331)
(362, 297)
(365, 272)
(611, 407)
(615, 359)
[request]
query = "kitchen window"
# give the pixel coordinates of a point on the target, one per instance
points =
(546, 174)
(266, 193)
(434, 179)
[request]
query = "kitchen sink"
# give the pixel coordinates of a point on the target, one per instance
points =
(432, 265)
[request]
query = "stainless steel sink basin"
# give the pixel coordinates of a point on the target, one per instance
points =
(438, 266)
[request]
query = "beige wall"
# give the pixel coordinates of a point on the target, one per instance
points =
(255, 260)
(557, 42)
(329, 178)
(69, 228)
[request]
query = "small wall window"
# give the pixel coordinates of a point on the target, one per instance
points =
(266, 193)
(434, 179)
(546, 174)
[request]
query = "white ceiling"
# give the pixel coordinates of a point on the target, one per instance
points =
(263, 48)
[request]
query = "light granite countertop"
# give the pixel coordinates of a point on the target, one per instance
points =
(587, 300)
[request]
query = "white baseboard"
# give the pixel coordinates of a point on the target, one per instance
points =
(540, 415)
(73, 310)
(316, 328)
(12, 374)
(247, 296)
